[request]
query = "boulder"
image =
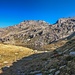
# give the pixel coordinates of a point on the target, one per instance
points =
(72, 54)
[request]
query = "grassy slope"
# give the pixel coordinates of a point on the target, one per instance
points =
(55, 45)
(11, 53)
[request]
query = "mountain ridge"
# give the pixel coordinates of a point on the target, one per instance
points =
(57, 40)
(36, 34)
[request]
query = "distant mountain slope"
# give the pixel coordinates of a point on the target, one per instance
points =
(36, 34)
(71, 36)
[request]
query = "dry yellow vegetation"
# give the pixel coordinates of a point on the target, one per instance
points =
(55, 45)
(11, 53)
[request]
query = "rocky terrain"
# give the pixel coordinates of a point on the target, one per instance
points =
(37, 34)
(58, 62)
(56, 41)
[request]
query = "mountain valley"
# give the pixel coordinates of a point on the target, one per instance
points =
(38, 48)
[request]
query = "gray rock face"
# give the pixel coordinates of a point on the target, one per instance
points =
(72, 53)
(38, 32)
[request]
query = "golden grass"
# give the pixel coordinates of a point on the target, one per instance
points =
(55, 45)
(11, 53)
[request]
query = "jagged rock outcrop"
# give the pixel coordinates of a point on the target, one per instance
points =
(36, 34)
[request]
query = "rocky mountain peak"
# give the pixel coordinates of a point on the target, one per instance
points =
(65, 20)
(35, 34)
(62, 20)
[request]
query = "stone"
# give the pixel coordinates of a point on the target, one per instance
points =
(51, 70)
(5, 62)
(62, 66)
(35, 51)
(28, 39)
(45, 51)
(5, 68)
(57, 72)
(72, 53)
(16, 53)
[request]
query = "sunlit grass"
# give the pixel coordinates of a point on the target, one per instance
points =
(11, 53)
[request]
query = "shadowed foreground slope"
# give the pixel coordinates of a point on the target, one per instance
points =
(58, 62)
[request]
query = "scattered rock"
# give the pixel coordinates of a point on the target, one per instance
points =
(51, 70)
(5, 68)
(16, 53)
(72, 54)
(5, 62)
(28, 39)
(57, 72)
(62, 66)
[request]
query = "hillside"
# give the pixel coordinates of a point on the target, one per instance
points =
(51, 48)
(11, 53)
(58, 62)
(37, 34)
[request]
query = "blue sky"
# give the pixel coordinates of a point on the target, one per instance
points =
(14, 11)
